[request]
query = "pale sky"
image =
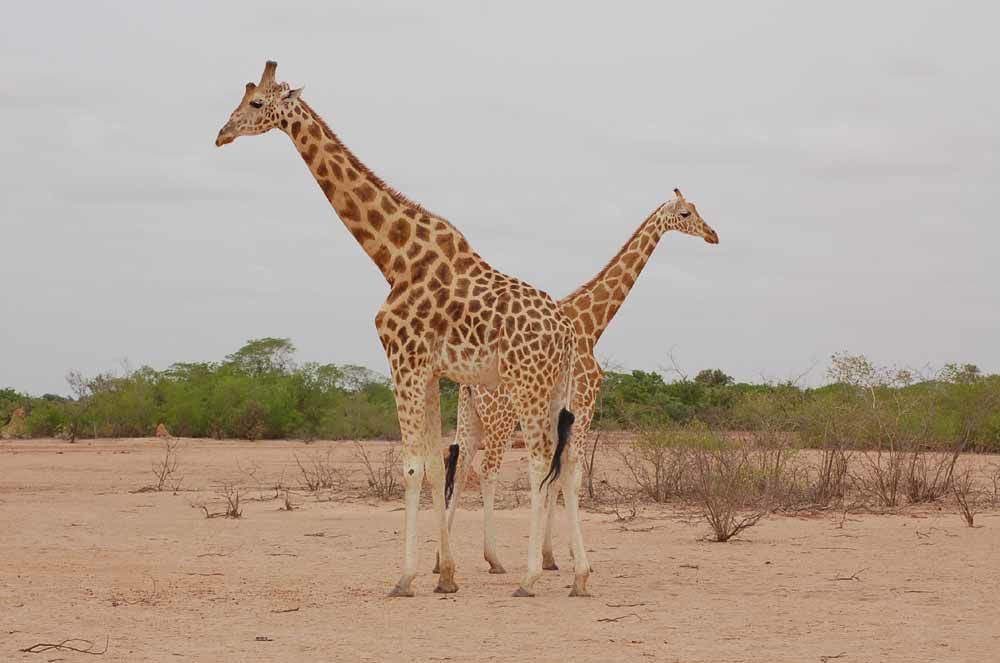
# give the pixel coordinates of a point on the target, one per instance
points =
(845, 152)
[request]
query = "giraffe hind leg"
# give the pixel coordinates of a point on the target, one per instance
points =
(548, 558)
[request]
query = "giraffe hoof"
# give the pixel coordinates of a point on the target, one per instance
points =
(497, 569)
(399, 591)
(579, 586)
(550, 566)
(445, 587)
(521, 591)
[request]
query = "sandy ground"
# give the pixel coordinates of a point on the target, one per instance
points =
(85, 557)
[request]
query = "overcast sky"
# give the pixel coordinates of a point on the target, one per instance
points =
(845, 152)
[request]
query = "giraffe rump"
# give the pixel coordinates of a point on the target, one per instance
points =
(449, 476)
(563, 428)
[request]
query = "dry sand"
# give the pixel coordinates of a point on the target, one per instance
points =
(85, 557)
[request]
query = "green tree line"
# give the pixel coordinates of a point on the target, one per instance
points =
(260, 392)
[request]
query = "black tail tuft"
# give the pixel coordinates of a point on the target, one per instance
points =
(563, 429)
(449, 475)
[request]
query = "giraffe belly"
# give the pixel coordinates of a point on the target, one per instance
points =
(469, 365)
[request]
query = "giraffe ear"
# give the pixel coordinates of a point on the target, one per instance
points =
(292, 95)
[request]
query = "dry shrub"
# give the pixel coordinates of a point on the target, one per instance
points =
(907, 466)
(880, 476)
(779, 421)
(288, 506)
(165, 468)
(514, 493)
(588, 458)
(727, 487)
(230, 494)
(929, 475)
(658, 460)
(825, 426)
(773, 473)
(731, 482)
(894, 417)
(318, 471)
(995, 480)
(383, 475)
(624, 505)
(968, 498)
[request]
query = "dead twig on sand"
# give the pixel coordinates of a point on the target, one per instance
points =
(856, 576)
(43, 647)
(287, 610)
(624, 605)
(824, 659)
(618, 619)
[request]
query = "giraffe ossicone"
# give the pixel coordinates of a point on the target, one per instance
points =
(448, 314)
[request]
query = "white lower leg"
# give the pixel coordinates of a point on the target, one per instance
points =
(536, 470)
(413, 476)
(571, 496)
(446, 565)
(489, 487)
(456, 493)
(548, 559)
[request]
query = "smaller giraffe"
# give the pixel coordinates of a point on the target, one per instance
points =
(485, 418)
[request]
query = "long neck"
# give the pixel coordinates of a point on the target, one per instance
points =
(400, 236)
(594, 304)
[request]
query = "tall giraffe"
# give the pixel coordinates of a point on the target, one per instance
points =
(485, 417)
(448, 313)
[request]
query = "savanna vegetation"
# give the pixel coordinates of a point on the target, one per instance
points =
(261, 392)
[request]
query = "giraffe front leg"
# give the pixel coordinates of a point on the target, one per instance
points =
(548, 559)
(413, 476)
(412, 384)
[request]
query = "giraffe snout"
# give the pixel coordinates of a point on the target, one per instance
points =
(225, 136)
(711, 236)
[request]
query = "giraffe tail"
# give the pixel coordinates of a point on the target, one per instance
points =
(459, 451)
(449, 476)
(563, 429)
(564, 424)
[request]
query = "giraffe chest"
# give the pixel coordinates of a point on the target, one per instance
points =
(467, 363)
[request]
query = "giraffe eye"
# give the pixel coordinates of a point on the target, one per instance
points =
(685, 214)
(256, 103)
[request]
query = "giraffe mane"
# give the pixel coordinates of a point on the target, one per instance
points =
(362, 168)
(586, 287)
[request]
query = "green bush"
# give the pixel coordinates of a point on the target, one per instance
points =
(259, 392)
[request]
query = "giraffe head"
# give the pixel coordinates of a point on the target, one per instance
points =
(262, 108)
(679, 214)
